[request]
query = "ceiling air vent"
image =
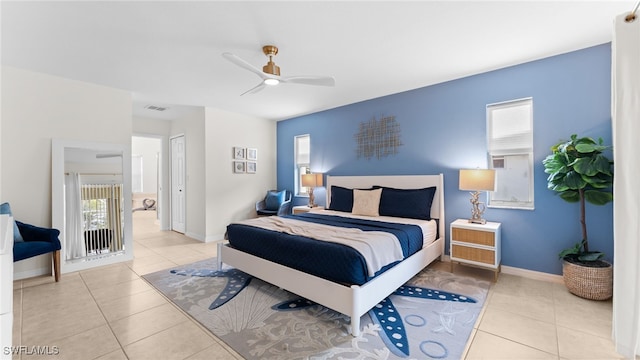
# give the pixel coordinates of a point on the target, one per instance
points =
(156, 108)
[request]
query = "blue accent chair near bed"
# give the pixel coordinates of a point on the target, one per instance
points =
(31, 240)
(275, 203)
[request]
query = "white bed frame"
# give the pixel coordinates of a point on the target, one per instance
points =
(355, 300)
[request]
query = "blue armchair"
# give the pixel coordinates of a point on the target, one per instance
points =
(275, 203)
(37, 241)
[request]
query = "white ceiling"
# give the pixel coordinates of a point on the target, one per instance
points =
(169, 53)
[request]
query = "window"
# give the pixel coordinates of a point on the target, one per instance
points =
(102, 214)
(302, 144)
(510, 147)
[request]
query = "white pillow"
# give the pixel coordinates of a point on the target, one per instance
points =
(366, 202)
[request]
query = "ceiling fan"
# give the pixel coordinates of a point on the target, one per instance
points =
(270, 73)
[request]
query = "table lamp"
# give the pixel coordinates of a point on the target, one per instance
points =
(474, 181)
(311, 181)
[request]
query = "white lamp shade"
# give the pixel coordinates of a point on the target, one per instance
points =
(477, 179)
(312, 180)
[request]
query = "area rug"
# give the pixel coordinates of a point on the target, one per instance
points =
(430, 317)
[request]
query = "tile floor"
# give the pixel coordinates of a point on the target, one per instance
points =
(112, 313)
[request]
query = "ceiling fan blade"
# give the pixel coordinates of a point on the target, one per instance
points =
(255, 89)
(310, 80)
(243, 64)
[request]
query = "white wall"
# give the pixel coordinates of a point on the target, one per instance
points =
(193, 128)
(36, 108)
(229, 196)
(149, 149)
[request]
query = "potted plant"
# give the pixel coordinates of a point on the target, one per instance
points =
(580, 173)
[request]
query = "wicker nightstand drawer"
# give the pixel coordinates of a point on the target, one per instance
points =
(474, 236)
(474, 254)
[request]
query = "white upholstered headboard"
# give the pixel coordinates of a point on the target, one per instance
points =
(398, 182)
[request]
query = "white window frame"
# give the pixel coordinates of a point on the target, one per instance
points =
(511, 148)
(302, 163)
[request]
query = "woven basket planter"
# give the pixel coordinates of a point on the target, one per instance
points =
(593, 283)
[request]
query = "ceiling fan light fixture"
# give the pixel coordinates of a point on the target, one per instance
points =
(270, 74)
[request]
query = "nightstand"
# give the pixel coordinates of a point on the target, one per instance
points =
(476, 244)
(301, 209)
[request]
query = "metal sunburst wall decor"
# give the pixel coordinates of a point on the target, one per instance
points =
(379, 138)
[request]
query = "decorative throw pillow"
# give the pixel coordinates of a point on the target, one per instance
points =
(274, 199)
(407, 203)
(6, 209)
(341, 199)
(366, 202)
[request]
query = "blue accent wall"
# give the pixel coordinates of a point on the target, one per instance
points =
(443, 129)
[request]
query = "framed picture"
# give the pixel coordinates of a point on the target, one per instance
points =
(238, 167)
(252, 154)
(238, 152)
(251, 167)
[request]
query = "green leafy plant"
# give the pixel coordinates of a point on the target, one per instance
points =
(579, 172)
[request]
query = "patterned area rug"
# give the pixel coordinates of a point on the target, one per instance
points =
(431, 317)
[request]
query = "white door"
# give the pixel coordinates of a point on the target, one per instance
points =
(178, 184)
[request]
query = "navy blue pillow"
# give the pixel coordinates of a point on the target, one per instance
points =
(407, 203)
(341, 199)
(274, 199)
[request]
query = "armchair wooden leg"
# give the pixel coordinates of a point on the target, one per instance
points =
(56, 265)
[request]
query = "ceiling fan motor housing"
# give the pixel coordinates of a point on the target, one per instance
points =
(271, 67)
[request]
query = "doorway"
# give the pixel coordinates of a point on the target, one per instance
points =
(146, 179)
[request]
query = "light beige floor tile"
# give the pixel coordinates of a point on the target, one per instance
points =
(191, 259)
(108, 275)
(158, 242)
(85, 345)
(54, 294)
(151, 268)
(147, 323)
(520, 329)
(579, 345)
(126, 306)
(140, 251)
(17, 318)
(175, 251)
(523, 287)
(45, 327)
(535, 307)
(178, 342)
(214, 352)
(210, 248)
(492, 347)
(148, 260)
(114, 355)
(593, 317)
(17, 300)
(105, 294)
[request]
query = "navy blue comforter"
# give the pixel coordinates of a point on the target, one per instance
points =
(331, 261)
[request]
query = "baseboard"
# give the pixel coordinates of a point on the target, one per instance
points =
(529, 274)
(195, 236)
(21, 275)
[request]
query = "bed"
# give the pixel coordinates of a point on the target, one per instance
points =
(352, 298)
